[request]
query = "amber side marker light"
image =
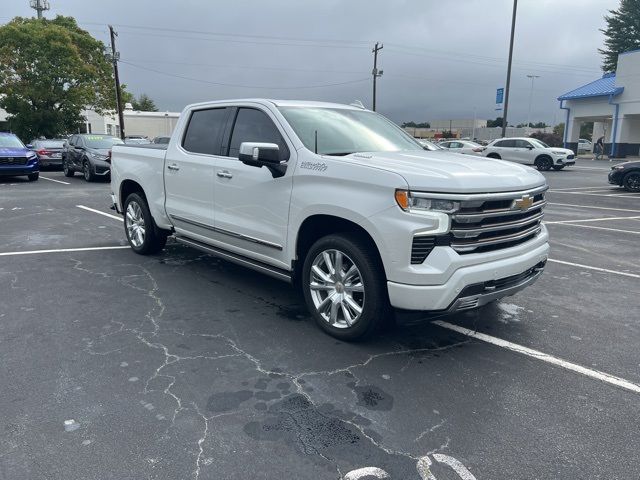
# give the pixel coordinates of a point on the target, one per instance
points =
(402, 199)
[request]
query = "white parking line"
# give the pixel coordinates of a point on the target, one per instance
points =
(626, 195)
(597, 208)
(54, 180)
(573, 188)
(597, 269)
(617, 230)
(63, 250)
(602, 219)
(100, 213)
(574, 367)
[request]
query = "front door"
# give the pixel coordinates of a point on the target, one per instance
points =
(251, 206)
(189, 173)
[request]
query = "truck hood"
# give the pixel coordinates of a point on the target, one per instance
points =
(452, 172)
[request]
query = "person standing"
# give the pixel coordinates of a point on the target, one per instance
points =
(599, 149)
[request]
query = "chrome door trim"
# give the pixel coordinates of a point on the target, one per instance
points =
(227, 232)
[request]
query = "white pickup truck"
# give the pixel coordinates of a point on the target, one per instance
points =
(340, 201)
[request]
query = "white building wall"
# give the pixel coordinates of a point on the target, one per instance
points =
(150, 124)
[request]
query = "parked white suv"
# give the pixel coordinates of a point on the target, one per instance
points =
(530, 151)
(340, 201)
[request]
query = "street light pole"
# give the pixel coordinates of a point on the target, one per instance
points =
(506, 90)
(115, 56)
(375, 71)
(532, 77)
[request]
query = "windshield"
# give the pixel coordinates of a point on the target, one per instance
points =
(538, 143)
(342, 131)
(102, 142)
(9, 141)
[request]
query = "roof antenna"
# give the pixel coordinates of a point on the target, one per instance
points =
(316, 142)
(358, 103)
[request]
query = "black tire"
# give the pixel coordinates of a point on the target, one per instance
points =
(558, 167)
(88, 174)
(154, 239)
(68, 171)
(494, 155)
(33, 176)
(374, 299)
(631, 182)
(543, 163)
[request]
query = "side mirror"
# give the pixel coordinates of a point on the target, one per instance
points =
(257, 154)
(530, 147)
(29, 146)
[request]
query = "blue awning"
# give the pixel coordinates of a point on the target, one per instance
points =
(603, 87)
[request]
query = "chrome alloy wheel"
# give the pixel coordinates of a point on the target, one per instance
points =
(134, 221)
(337, 288)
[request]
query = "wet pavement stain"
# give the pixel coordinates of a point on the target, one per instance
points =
(320, 433)
(373, 398)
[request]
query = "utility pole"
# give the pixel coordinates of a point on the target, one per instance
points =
(532, 77)
(506, 90)
(39, 6)
(115, 56)
(375, 71)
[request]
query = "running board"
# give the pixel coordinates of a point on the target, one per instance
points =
(256, 265)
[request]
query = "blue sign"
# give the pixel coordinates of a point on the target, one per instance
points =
(499, 95)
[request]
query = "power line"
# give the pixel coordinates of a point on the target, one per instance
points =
(301, 87)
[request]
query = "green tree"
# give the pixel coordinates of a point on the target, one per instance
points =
(622, 33)
(559, 129)
(495, 123)
(51, 70)
(144, 103)
(416, 125)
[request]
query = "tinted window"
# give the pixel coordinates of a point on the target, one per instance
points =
(506, 143)
(204, 131)
(522, 144)
(252, 125)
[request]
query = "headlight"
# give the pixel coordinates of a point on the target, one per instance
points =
(617, 167)
(412, 203)
(556, 152)
(97, 156)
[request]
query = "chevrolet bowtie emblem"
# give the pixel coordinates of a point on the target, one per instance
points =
(523, 203)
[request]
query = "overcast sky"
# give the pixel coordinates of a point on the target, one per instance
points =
(441, 59)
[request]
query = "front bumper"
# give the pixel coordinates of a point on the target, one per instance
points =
(114, 203)
(615, 177)
(18, 170)
(462, 291)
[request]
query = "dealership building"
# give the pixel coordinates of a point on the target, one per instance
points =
(612, 103)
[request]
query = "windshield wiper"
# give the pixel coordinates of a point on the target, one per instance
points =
(338, 154)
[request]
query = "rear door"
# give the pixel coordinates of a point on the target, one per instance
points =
(189, 173)
(507, 150)
(251, 206)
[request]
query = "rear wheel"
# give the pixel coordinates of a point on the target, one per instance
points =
(86, 171)
(68, 171)
(631, 182)
(33, 176)
(558, 167)
(494, 155)
(142, 233)
(543, 163)
(344, 287)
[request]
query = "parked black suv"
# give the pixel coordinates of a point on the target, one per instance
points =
(89, 154)
(626, 175)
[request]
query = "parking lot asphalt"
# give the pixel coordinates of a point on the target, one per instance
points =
(183, 366)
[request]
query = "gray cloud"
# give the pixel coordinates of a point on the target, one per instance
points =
(440, 59)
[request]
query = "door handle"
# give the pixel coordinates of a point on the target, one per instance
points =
(173, 167)
(224, 174)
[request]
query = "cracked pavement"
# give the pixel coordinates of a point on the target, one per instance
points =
(183, 366)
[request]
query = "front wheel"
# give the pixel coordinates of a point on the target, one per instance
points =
(142, 233)
(86, 170)
(543, 164)
(68, 171)
(631, 182)
(33, 176)
(344, 286)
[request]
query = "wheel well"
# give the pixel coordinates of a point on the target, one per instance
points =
(494, 155)
(540, 157)
(128, 187)
(318, 226)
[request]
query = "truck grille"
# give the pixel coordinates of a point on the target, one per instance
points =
(13, 161)
(494, 223)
